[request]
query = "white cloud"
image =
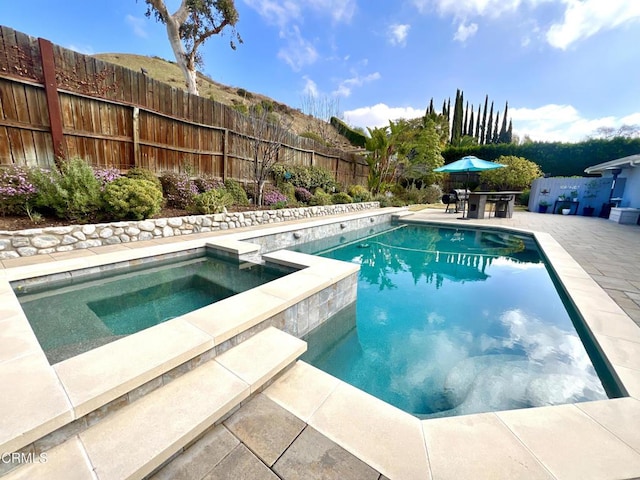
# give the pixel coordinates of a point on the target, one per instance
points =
(137, 25)
(345, 87)
(298, 52)
(281, 12)
(470, 8)
(84, 49)
(562, 123)
(397, 34)
(379, 115)
(584, 18)
(310, 87)
(465, 31)
(278, 12)
(581, 18)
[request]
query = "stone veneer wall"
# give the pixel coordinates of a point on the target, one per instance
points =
(25, 243)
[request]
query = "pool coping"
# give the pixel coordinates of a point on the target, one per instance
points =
(584, 440)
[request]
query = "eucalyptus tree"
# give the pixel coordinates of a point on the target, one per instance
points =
(190, 26)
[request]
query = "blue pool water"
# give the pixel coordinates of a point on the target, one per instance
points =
(80, 312)
(451, 322)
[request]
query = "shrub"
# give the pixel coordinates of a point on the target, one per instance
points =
(236, 191)
(73, 192)
(289, 191)
(106, 175)
(359, 193)
(340, 198)
(178, 189)
(383, 200)
(132, 198)
(518, 174)
(145, 174)
(302, 194)
(309, 177)
(212, 201)
(355, 137)
(204, 184)
(320, 198)
(524, 197)
(17, 191)
(274, 197)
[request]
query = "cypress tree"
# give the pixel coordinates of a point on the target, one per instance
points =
(478, 125)
(456, 128)
(510, 133)
(431, 111)
(465, 121)
(489, 130)
(502, 138)
(470, 126)
(444, 109)
(494, 139)
(483, 133)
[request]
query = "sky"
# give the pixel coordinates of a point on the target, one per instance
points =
(565, 67)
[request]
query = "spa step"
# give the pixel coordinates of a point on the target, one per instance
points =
(137, 439)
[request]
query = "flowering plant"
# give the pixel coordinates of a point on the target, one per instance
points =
(16, 190)
(106, 175)
(273, 197)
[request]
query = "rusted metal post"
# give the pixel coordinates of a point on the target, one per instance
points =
(53, 101)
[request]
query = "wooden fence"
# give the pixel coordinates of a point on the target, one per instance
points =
(55, 102)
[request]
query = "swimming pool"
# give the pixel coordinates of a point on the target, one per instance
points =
(456, 321)
(83, 311)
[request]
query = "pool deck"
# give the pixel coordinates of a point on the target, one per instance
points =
(308, 424)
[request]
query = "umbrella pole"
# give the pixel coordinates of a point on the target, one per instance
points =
(466, 199)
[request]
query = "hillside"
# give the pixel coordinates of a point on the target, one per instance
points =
(168, 72)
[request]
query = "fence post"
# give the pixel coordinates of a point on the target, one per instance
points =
(136, 136)
(225, 145)
(53, 101)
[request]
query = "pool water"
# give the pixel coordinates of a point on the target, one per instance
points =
(72, 316)
(454, 321)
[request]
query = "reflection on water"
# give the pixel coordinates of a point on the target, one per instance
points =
(450, 322)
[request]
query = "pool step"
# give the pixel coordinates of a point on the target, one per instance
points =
(137, 439)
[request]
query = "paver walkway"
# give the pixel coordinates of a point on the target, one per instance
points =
(261, 440)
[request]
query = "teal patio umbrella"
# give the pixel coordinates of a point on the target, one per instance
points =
(468, 164)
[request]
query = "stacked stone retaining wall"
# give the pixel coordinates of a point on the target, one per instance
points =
(25, 243)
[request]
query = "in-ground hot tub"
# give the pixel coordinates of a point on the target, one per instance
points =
(79, 312)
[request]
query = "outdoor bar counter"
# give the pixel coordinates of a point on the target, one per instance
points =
(504, 203)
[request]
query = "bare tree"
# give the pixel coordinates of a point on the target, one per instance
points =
(265, 136)
(608, 133)
(190, 26)
(321, 109)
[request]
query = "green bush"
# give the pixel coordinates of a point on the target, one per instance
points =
(145, 174)
(383, 200)
(289, 191)
(212, 201)
(309, 177)
(320, 198)
(341, 198)
(518, 174)
(237, 192)
(132, 198)
(73, 192)
(359, 193)
(524, 197)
